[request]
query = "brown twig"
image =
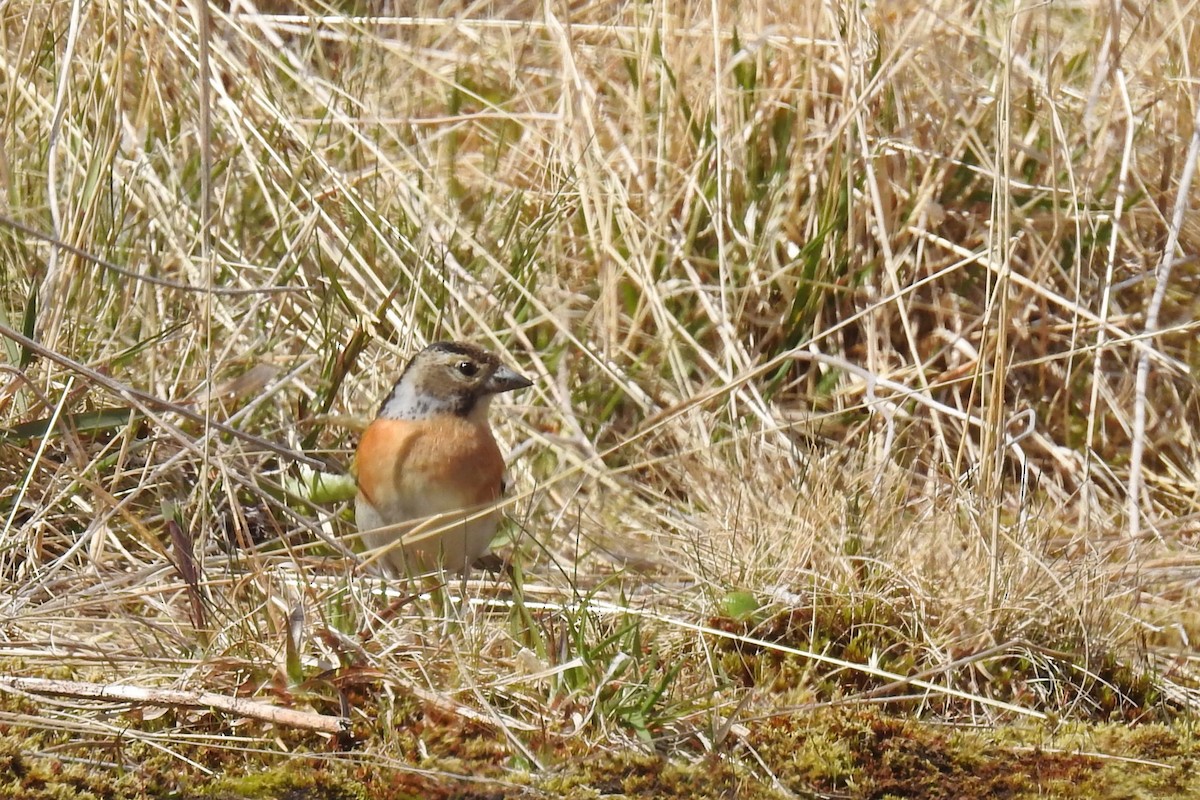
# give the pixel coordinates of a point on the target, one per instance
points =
(238, 706)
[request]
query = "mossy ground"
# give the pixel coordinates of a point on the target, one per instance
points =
(858, 753)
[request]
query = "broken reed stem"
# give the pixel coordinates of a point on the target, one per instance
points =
(177, 698)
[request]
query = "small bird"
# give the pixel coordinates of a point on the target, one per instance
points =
(430, 451)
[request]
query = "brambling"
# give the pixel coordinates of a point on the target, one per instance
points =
(430, 451)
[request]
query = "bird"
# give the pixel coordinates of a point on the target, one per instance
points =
(430, 451)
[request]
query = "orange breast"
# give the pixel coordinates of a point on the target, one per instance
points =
(409, 469)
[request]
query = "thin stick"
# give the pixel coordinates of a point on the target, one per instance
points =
(176, 698)
(1163, 276)
(1106, 296)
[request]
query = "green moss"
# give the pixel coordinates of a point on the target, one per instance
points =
(26, 775)
(866, 753)
(1054, 672)
(632, 774)
(302, 781)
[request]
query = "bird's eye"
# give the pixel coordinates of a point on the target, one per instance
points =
(468, 368)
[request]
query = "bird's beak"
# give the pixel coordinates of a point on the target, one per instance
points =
(505, 380)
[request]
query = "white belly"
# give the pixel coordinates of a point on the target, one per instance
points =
(457, 543)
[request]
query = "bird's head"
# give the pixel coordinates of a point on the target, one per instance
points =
(449, 377)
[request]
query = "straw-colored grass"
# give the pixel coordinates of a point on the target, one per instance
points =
(864, 340)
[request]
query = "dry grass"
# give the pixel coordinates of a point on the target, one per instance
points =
(840, 309)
